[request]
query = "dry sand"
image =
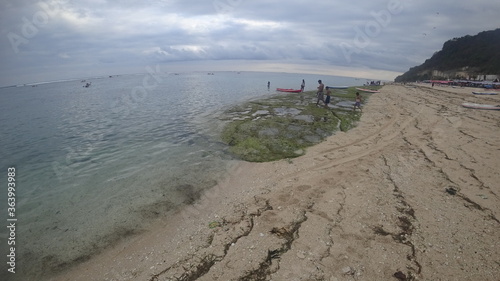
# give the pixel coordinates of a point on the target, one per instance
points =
(412, 193)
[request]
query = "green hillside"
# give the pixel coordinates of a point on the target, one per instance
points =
(460, 57)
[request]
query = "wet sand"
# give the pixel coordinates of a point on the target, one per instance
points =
(411, 193)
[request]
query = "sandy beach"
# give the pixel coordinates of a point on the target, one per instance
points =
(411, 193)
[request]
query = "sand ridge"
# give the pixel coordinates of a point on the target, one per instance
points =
(411, 193)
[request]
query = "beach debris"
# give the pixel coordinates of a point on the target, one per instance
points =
(451, 191)
(280, 232)
(380, 231)
(347, 270)
(400, 275)
(483, 196)
(214, 224)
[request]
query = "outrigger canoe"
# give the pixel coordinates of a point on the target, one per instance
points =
(288, 90)
(367, 90)
(481, 106)
(337, 87)
(484, 93)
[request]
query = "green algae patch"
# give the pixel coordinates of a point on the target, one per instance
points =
(283, 126)
(347, 120)
(350, 93)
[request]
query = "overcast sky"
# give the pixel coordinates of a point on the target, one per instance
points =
(379, 39)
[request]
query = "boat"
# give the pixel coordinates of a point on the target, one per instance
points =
(481, 106)
(367, 90)
(484, 93)
(288, 90)
(337, 87)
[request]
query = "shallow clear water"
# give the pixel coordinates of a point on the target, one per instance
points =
(95, 164)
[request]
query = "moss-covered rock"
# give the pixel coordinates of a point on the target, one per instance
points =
(282, 126)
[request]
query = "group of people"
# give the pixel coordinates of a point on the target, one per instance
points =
(321, 97)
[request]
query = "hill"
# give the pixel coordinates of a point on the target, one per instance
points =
(468, 57)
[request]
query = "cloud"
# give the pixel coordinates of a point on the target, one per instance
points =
(125, 35)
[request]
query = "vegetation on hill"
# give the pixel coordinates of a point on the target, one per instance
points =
(465, 56)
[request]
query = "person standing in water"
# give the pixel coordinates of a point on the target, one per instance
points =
(319, 94)
(303, 85)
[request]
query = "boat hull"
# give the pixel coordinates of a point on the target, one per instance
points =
(484, 93)
(480, 106)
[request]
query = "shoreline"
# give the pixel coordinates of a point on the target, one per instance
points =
(123, 180)
(368, 204)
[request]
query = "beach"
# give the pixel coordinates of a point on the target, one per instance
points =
(411, 193)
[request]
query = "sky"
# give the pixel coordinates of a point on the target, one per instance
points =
(52, 40)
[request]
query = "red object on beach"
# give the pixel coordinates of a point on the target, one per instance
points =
(288, 90)
(367, 90)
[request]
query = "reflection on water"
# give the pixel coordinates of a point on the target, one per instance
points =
(95, 164)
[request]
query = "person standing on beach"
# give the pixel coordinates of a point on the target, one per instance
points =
(303, 85)
(327, 100)
(358, 102)
(268, 84)
(319, 94)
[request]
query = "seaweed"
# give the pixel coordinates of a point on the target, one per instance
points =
(282, 126)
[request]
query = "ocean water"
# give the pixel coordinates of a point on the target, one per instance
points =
(96, 164)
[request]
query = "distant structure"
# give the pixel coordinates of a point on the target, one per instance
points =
(472, 58)
(462, 74)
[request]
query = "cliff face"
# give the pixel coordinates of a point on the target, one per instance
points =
(468, 57)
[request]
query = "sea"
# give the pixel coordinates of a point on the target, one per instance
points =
(92, 165)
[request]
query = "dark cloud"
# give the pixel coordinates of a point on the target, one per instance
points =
(390, 35)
